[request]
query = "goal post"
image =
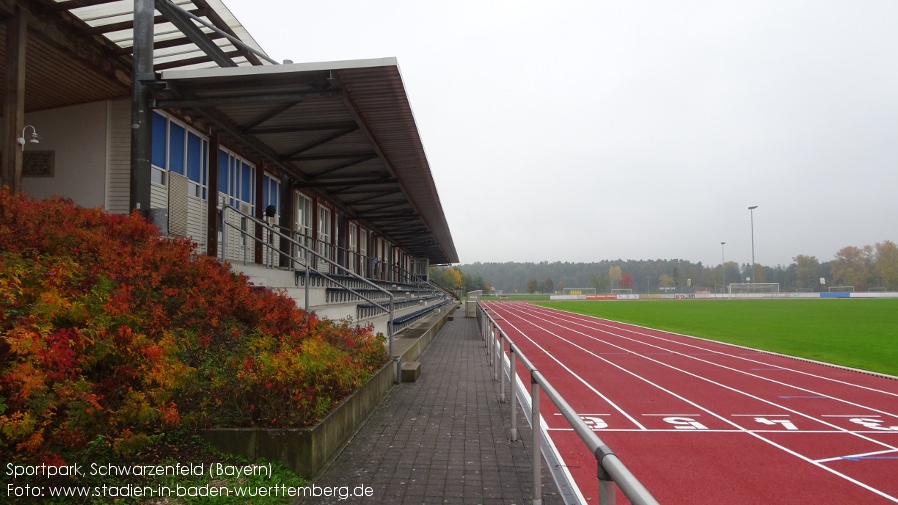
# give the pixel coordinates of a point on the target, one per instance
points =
(841, 289)
(753, 287)
(622, 291)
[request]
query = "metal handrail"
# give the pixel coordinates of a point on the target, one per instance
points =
(401, 274)
(611, 470)
(309, 268)
(439, 287)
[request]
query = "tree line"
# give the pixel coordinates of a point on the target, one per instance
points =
(867, 268)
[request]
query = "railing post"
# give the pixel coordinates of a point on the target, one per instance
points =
(224, 235)
(390, 336)
(607, 487)
(502, 398)
(512, 378)
(612, 474)
(491, 334)
(537, 435)
(308, 281)
(245, 242)
(498, 354)
(607, 494)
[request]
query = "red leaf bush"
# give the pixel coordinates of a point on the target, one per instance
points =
(109, 331)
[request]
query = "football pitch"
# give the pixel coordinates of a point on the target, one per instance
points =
(858, 333)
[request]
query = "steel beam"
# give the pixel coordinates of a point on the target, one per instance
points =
(14, 102)
(182, 22)
(141, 113)
(312, 127)
(324, 140)
(176, 103)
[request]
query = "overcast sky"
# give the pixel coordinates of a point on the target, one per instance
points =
(589, 130)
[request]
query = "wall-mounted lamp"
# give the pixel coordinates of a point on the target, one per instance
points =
(34, 139)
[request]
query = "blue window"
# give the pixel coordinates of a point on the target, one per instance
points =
(223, 160)
(160, 125)
(194, 157)
(236, 179)
(271, 190)
(176, 148)
(246, 182)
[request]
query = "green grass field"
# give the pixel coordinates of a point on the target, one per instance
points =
(859, 333)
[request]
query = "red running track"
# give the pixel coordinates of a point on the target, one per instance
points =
(700, 422)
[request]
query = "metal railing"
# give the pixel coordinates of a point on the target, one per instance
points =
(611, 469)
(355, 261)
(270, 232)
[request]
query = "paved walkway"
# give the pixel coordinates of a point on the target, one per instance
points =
(443, 438)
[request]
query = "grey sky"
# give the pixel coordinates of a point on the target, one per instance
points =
(588, 130)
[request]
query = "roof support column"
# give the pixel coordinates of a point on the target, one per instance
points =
(259, 199)
(213, 214)
(141, 113)
(14, 101)
(288, 211)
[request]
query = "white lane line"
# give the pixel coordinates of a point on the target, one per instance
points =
(673, 415)
(700, 377)
(583, 381)
(753, 434)
(768, 379)
(735, 431)
(624, 327)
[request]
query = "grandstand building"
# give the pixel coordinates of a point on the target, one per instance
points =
(297, 173)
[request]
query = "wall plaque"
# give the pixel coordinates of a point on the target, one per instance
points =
(38, 163)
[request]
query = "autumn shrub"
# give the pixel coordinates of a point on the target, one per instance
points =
(110, 331)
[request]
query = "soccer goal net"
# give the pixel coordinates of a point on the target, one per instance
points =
(754, 287)
(841, 289)
(579, 291)
(622, 291)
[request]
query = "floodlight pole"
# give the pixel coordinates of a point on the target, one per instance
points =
(754, 274)
(723, 268)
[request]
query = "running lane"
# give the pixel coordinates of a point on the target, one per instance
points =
(702, 422)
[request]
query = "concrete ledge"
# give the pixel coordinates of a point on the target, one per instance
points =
(307, 450)
(413, 340)
(410, 371)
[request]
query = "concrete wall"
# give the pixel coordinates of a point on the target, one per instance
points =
(307, 450)
(421, 343)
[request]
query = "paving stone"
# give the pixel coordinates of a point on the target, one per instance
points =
(441, 439)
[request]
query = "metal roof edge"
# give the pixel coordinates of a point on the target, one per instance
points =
(280, 69)
(242, 33)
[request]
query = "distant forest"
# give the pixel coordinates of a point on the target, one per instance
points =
(863, 268)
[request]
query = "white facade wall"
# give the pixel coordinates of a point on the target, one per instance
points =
(92, 163)
(78, 136)
(118, 155)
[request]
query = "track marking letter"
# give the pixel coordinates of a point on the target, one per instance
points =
(873, 424)
(595, 423)
(771, 422)
(685, 423)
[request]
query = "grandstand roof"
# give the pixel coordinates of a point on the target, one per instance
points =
(344, 130)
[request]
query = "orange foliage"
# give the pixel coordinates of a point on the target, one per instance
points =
(110, 331)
